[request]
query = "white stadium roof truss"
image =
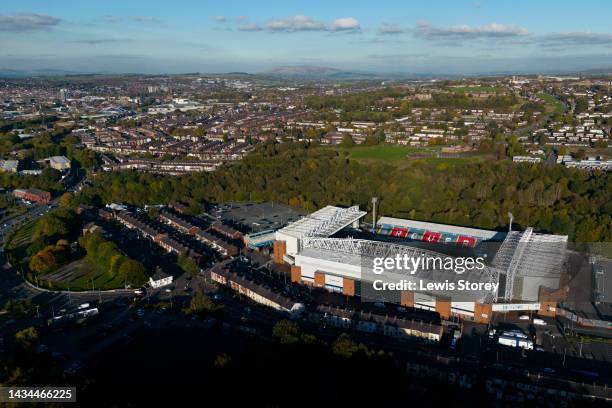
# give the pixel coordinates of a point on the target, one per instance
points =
(527, 254)
(324, 222)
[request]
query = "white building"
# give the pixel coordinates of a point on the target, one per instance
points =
(526, 159)
(160, 279)
(59, 162)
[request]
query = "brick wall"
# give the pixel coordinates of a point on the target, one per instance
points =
(407, 298)
(280, 249)
(483, 312)
(319, 279)
(348, 287)
(296, 274)
(443, 307)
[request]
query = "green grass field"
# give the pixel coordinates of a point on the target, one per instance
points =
(477, 89)
(384, 152)
(556, 106)
(23, 236)
(78, 275)
(400, 155)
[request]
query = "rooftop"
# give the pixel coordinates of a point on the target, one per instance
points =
(257, 217)
(324, 222)
(431, 226)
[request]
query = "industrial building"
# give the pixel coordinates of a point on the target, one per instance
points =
(32, 194)
(523, 272)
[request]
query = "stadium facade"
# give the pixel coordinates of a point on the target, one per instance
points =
(525, 267)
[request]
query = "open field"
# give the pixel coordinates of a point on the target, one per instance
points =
(395, 154)
(556, 106)
(78, 275)
(478, 89)
(384, 152)
(23, 236)
(17, 242)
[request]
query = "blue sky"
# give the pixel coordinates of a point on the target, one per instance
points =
(256, 36)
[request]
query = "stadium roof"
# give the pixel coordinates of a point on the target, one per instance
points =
(324, 222)
(430, 226)
(358, 253)
(530, 255)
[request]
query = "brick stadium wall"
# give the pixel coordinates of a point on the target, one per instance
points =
(480, 310)
(348, 287)
(319, 279)
(443, 307)
(296, 274)
(407, 298)
(279, 249)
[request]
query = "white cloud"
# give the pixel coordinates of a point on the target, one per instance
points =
(345, 24)
(465, 32)
(27, 22)
(295, 23)
(220, 19)
(302, 23)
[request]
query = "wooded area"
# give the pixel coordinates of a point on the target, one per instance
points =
(549, 198)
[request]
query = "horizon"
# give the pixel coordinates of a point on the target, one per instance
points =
(441, 38)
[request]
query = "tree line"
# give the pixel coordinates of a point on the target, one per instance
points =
(550, 198)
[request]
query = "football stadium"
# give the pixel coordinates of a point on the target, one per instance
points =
(523, 270)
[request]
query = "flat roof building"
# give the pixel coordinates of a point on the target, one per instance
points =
(59, 162)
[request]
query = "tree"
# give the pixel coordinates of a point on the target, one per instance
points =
(379, 136)
(345, 347)
(347, 141)
(27, 338)
(43, 262)
(222, 360)
(310, 177)
(582, 105)
(133, 272)
(65, 200)
(201, 303)
(286, 331)
(19, 308)
(51, 226)
(188, 265)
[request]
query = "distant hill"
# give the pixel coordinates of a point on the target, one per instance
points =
(14, 73)
(316, 72)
